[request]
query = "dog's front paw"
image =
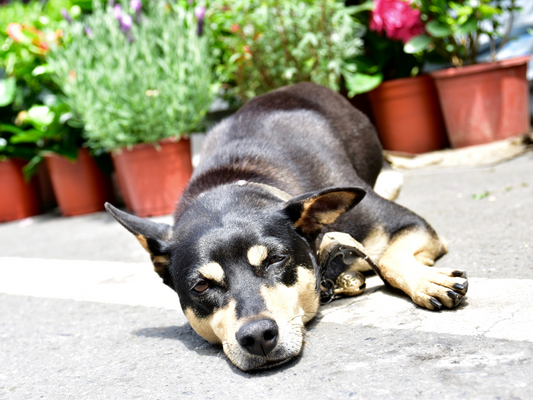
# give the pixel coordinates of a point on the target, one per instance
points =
(439, 287)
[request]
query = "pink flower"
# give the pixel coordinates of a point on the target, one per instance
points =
(15, 31)
(397, 18)
(24, 34)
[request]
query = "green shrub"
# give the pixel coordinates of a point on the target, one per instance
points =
(266, 44)
(136, 80)
(453, 29)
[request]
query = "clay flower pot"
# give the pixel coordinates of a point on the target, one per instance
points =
(152, 180)
(18, 198)
(80, 187)
(484, 102)
(407, 115)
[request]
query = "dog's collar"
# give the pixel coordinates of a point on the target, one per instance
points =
(280, 194)
(350, 283)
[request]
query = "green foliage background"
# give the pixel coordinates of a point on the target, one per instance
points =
(266, 44)
(33, 116)
(453, 28)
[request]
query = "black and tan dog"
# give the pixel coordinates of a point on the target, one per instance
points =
(288, 167)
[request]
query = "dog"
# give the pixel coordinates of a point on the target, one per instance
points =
(288, 167)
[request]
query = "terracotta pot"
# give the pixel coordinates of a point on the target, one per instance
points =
(407, 115)
(80, 187)
(152, 180)
(18, 198)
(484, 102)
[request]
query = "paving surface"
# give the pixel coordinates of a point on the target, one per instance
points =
(82, 315)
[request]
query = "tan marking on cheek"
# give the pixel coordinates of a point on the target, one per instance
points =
(290, 302)
(212, 271)
(216, 328)
(257, 254)
(202, 326)
(224, 322)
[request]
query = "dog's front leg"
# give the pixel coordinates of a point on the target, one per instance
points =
(406, 266)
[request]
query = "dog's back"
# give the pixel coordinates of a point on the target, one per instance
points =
(299, 139)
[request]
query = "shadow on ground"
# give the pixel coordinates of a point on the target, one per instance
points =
(186, 335)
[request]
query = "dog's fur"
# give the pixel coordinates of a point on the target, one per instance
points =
(286, 168)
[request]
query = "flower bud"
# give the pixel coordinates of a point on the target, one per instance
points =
(66, 16)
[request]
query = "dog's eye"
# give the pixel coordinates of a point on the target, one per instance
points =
(201, 287)
(276, 259)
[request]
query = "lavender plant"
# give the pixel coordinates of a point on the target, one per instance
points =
(136, 74)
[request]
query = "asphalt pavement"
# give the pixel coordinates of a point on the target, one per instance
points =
(83, 315)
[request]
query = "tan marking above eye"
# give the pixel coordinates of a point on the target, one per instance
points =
(212, 271)
(257, 254)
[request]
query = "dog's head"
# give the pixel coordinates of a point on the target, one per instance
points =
(242, 259)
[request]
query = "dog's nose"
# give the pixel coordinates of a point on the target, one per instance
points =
(258, 337)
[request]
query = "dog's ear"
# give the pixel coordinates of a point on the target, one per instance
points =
(309, 212)
(154, 238)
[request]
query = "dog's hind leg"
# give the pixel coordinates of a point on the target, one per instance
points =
(389, 182)
(406, 266)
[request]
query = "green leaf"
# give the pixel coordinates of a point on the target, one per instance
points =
(70, 152)
(28, 136)
(361, 83)
(488, 11)
(417, 44)
(467, 27)
(437, 29)
(42, 69)
(31, 168)
(10, 129)
(479, 196)
(41, 115)
(8, 88)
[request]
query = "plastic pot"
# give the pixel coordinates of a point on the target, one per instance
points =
(80, 187)
(18, 198)
(407, 115)
(484, 102)
(152, 179)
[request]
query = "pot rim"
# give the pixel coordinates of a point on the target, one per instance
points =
(483, 67)
(401, 81)
(162, 142)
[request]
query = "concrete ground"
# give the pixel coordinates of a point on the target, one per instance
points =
(82, 315)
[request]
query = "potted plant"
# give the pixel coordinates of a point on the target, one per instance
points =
(265, 44)
(20, 198)
(404, 103)
(35, 118)
(139, 77)
(480, 102)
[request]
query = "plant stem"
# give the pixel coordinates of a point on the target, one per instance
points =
(507, 33)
